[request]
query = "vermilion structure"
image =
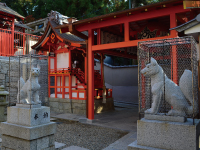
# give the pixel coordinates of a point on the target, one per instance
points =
(116, 34)
(67, 64)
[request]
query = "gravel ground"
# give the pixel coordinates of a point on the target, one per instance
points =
(86, 136)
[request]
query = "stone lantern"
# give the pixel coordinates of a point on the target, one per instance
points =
(3, 102)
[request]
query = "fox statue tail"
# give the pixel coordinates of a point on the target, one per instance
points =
(185, 85)
(21, 83)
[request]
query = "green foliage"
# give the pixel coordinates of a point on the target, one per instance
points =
(80, 9)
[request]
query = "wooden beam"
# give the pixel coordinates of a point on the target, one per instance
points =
(119, 54)
(135, 17)
(124, 44)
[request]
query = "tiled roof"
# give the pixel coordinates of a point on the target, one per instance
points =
(22, 26)
(188, 24)
(67, 35)
(8, 10)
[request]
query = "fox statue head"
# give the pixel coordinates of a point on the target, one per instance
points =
(151, 68)
(35, 71)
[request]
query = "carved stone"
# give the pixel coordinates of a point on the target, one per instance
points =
(176, 96)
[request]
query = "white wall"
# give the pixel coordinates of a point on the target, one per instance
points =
(63, 60)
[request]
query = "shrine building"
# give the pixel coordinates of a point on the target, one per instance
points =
(114, 34)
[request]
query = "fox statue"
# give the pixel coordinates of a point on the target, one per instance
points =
(176, 96)
(28, 93)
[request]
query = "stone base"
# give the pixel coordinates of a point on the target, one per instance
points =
(2, 110)
(163, 117)
(134, 146)
(19, 137)
(168, 135)
(28, 116)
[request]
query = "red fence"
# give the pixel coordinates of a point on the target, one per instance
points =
(16, 43)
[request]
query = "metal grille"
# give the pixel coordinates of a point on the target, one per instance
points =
(20, 66)
(173, 56)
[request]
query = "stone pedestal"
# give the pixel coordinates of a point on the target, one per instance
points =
(28, 127)
(3, 103)
(157, 135)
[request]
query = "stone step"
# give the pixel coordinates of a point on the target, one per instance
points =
(59, 146)
(75, 148)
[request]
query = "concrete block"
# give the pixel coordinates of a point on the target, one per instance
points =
(51, 140)
(18, 144)
(165, 118)
(27, 116)
(168, 135)
(28, 133)
(43, 142)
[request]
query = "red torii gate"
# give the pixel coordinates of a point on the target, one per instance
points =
(172, 9)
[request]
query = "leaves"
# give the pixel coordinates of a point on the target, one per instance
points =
(80, 9)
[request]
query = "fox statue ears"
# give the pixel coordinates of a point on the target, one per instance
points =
(153, 61)
(38, 66)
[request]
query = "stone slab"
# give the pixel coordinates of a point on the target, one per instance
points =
(28, 117)
(75, 148)
(28, 105)
(168, 135)
(28, 133)
(134, 146)
(59, 145)
(14, 143)
(165, 118)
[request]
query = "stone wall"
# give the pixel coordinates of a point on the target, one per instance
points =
(59, 105)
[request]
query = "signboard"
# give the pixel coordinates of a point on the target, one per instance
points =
(191, 4)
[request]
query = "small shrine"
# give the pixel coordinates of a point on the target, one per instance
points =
(68, 70)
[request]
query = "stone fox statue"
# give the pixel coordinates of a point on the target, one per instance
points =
(176, 96)
(29, 91)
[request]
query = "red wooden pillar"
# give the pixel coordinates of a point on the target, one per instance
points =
(13, 26)
(85, 68)
(90, 77)
(70, 77)
(56, 86)
(98, 36)
(173, 23)
(23, 42)
(63, 83)
(126, 31)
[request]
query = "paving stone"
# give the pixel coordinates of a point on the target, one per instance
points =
(59, 145)
(74, 148)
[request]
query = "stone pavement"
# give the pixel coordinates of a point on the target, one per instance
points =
(121, 119)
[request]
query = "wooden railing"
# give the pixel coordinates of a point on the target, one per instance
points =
(16, 42)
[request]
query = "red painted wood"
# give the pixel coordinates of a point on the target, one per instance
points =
(90, 77)
(126, 31)
(135, 17)
(173, 23)
(98, 36)
(123, 44)
(70, 77)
